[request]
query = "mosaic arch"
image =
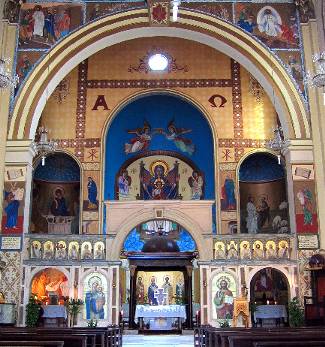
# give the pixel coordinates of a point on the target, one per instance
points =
(98, 35)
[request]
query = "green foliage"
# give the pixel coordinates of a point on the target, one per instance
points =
(92, 323)
(252, 307)
(296, 313)
(32, 312)
(225, 323)
(179, 299)
(74, 306)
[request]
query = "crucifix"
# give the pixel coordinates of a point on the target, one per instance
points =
(160, 295)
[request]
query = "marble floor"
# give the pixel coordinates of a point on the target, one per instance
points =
(158, 340)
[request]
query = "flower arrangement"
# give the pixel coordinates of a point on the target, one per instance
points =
(73, 307)
(92, 323)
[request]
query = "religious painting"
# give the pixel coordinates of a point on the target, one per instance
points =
(99, 250)
(56, 196)
(263, 200)
(160, 287)
(269, 286)
(143, 136)
(90, 193)
(152, 137)
(60, 250)
(224, 291)
(223, 11)
(73, 250)
(50, 286)
(219, 250)
(48, 250)
(294, 65)
(302, 172)
(276, 26)
(100, 9)
(86, 251)
(159, 178)
(25, 63)
(258, 250)
(232, 250)
(36, 250)
(43, 24)
(96, 296)
(270, 250)
(245, 250)
(13, 207)
(228, 193)
(305, 206)
(283, 249)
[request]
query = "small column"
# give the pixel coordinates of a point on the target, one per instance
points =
(132, 303)
(189, 269)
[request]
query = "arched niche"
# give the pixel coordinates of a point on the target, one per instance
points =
(56, 196)
(269, 286)
(50, 286)
(172, 132)
(263, 195)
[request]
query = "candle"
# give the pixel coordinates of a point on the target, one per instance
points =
(268, 302)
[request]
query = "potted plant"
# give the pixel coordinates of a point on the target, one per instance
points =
(92, 323)
(224, 323)
(33, 309)
(296, 313)
(74, 308)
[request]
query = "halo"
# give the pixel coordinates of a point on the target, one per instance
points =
(94, 279)
(156, 163)
(75, 244)
(245, 243)
(223, 278)
(274, 12)
(58, 188)
(219, 243)
(258, 242)
(168, 278)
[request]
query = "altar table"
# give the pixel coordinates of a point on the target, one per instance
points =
(159, 317)
(54, 315)
(7, 313)
(270, 312)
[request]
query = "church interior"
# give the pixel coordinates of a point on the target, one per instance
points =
(162, 167)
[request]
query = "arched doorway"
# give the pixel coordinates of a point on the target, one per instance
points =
(269, 291)
(50, 286)
(160, 254)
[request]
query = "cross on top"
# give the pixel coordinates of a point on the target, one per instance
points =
(160, 295)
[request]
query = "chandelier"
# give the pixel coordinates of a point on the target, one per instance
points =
(7, 80)
(318, 80)
(277, 143)
(43, 146)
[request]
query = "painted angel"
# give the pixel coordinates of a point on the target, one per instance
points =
(175, 134)
(141, 141)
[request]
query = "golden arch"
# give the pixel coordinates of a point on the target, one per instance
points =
(194, 26)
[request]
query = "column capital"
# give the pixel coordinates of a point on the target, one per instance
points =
(19, 152)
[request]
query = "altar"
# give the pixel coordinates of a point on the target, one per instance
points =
(270, 314)
(54, 315)
(160, 317)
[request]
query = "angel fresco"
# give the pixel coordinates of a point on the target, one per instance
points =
(159, 183)
(175, 134)
(141, 141)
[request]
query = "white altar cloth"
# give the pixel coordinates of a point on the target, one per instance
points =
(270, 312)
(54, 311)
(160, 311)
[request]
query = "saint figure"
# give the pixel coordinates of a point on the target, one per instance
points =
(251, 219)
(228, 193)
(140, 291)
(124, 183)
(305, 198)
(269, 24)
(92, 194)
(58, 206)
(168, 289)
(223, 301)
(263, 211)
(196, 184)
(39, 20)
(151, 292)
(11, 210)
(141, 141)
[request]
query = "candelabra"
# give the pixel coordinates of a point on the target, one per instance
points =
(318, 80)
(43, 146)
(7, 80)
(277, 143)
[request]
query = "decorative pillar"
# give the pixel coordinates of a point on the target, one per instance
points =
(132, 301)
(189, 270)
(7, 49)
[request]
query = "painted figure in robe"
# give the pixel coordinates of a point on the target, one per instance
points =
(141, 141)
(251, 219)
(168, 289)
(92, 194)
(58, 206)
(151, 292)
(224, 301)
(196, 184)
(140, 291)
(228, 193)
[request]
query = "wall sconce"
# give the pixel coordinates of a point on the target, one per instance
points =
(43, 146)
(317, 80)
